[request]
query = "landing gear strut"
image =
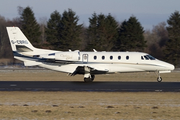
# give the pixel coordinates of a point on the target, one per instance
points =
(89, 79)
(87, 76)
(159, 79)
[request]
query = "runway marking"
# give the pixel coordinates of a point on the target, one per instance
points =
(13, 85)
(158, 90)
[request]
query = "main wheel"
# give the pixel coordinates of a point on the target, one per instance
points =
(159, 79)
(92, 77)
(89, 79)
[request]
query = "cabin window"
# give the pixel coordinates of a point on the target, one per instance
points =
(111, 57)
(119, 57)
(103, 57)
(142, 58)
(127, 57)
(95, 57)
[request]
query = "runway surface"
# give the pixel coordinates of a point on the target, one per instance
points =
(95, 86)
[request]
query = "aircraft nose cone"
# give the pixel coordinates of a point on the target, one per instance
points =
(166, 66)
(171, 67)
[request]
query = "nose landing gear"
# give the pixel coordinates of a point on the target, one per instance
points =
(159, 78)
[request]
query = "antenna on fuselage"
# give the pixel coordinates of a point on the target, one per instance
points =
(94, 50)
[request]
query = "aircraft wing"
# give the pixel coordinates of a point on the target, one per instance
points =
(97, 69)
(89, 69)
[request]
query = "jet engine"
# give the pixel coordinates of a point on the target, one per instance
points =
(68, 56)
(62, 56)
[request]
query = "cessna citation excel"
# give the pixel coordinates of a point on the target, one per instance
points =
(88, 64)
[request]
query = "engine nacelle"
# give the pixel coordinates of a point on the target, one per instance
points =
(68, 56)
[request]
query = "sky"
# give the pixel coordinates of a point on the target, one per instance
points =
(148, 12)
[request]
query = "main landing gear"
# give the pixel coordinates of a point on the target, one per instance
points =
(90, 78)
(87, 76)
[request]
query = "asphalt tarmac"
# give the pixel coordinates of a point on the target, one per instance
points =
(89, 87)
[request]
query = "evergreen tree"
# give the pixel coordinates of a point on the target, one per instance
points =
(131, 36)
(112, 27)
(92, 32)
(30, 27)
(52, 30)
(102, 32)
(101, 35)
(172, 50)
(69, 31)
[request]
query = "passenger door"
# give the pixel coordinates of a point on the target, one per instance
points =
(85, 58)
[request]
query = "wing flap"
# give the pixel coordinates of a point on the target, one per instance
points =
(97, 68)
(89, 69)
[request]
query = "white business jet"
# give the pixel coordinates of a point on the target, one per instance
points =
(88, 64)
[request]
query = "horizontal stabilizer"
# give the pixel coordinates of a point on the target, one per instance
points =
(31, 63)
(164, 71)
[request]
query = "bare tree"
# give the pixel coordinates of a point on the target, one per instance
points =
(5, 47)
(43, 24)
(20, 10)
(156, 40)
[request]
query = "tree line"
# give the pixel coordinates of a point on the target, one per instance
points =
(104, 33)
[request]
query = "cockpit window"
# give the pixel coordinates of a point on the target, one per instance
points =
(147, 57)
(151, 57)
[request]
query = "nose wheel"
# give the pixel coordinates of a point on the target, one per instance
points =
(159, 79)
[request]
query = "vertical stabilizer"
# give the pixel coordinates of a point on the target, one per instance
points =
(18, 41)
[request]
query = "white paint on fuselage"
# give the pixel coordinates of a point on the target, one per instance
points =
(86, 63)
(114, 65)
